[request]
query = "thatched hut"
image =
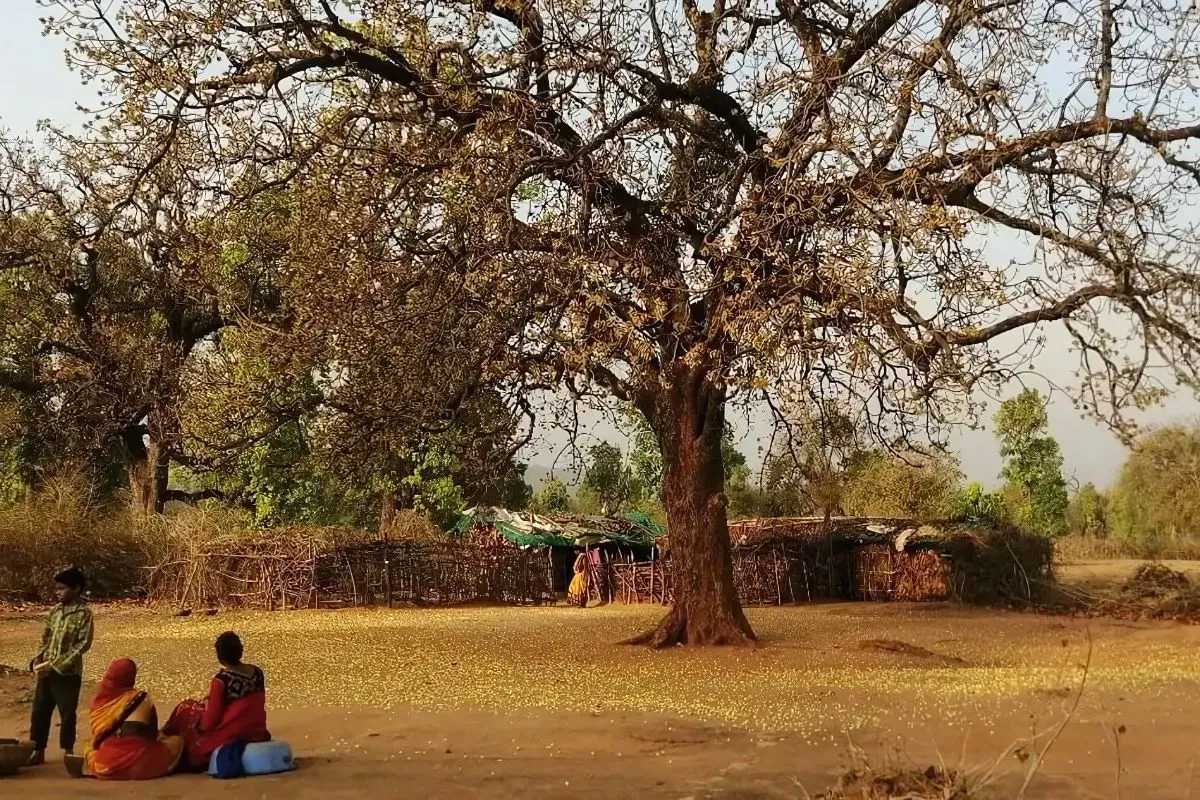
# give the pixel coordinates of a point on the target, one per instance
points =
(607, 540)
(804, 559)
(862, 558)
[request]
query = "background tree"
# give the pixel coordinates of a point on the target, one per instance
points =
(973, 502)
(1088, 512)
(645, 459)
(156, 334)
(552, 498)
(1036, 492)
(126, 285)
(720, 202)
(1155, 499)
(806, 464)
(265, 434)
(609, 478)
(907, 486)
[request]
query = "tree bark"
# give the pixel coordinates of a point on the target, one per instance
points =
(148, 466)
(688, 418)
(387, 510)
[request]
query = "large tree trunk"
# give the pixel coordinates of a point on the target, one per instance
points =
(689, 420)
(387, 510)
(148, 465)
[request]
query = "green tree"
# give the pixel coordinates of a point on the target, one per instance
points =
(1087, 512)
(972, 502)
(915, 486)
(433, 485)
(553, 498)
(609, 478)
(1156, 497)
(732, 459)
(1032, 465)
(516, 493)
(645, 458)
(746, 499)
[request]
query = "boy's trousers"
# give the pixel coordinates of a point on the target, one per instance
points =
(55, 691)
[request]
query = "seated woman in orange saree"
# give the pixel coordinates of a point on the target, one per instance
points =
(125, 744)
(235, 709)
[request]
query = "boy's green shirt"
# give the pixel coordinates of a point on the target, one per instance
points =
(68, 635)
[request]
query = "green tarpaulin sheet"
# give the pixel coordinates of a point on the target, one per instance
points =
(525, 529)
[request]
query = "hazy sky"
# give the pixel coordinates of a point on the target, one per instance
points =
(35, 85)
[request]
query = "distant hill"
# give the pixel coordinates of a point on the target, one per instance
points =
(536, 476)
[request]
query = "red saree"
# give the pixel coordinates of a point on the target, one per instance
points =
(125, 744)
(235, 710)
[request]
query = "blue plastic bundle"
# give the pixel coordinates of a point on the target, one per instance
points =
(236, 759)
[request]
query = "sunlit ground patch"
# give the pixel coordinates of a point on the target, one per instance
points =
(812, 675)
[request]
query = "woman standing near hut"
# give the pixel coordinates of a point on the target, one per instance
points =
(578, 590)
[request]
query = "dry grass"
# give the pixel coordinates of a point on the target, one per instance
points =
(906, 782)
(410, 526)
(1077, 547)
(64, 525)
(931, 783)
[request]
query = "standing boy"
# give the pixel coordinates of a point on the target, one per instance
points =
(59, 664)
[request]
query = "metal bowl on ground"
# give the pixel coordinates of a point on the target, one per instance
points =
(14, 755)
(74, 765)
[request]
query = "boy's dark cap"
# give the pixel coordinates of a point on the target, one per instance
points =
(71, 577)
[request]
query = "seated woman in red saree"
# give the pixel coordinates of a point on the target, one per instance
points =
(125, 745)
(235, 709)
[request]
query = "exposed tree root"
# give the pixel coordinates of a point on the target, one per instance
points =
(677, 628)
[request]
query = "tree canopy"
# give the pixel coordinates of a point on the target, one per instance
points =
(610, 478)
(1088, 512)
(678, 206)
(148, 333)
(912, 486)
(1155, 496)
(1032, 465)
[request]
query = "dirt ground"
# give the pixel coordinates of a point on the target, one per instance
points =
(539, 703)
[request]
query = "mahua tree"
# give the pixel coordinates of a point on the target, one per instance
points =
(114, 290)
(694, 205)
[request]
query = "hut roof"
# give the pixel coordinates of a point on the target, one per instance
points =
(902, 533)
(526, 529)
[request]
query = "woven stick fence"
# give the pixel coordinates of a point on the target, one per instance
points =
(775, 574)
(640, 581)
(336, 568)
(369, 573)
(881, 573)
(775, 569)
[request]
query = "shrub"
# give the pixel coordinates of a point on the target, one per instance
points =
(61, 525)
(999, 565)
(1095, 548)
(119, 551)
(410, 526)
